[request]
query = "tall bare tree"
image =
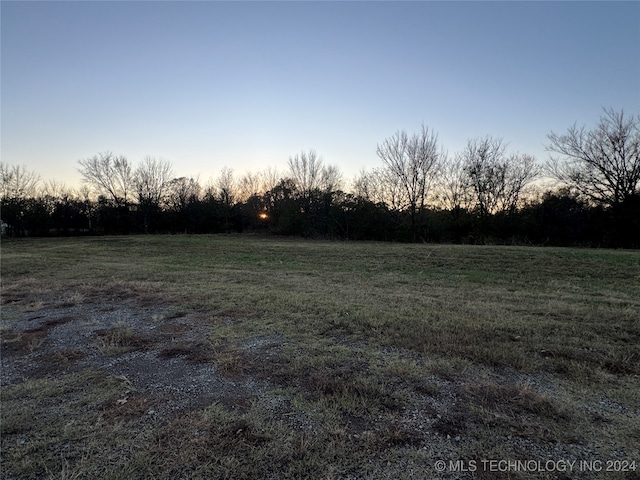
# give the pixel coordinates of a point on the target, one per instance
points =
(522, 171)
(151, 179)
(227, 186)
(311, 177)
(305, 170)
(109, 175)
(412, 161)
(250, 184)
(452, 187)
(602, 164)
(496, 180)
(17, 182)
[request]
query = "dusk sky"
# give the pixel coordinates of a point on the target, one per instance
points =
(249, 84)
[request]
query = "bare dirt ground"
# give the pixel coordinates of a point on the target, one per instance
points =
(162, 354)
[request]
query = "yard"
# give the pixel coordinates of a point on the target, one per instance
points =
(255, 357)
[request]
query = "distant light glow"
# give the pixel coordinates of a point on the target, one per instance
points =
(263, 215)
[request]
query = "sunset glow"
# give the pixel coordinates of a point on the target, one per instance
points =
(248, 84)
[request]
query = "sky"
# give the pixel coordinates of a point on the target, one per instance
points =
(247, 85)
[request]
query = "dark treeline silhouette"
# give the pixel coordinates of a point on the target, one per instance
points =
(480, 195)
(558, 218)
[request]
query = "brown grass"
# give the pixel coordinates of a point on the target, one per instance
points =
(330, 360)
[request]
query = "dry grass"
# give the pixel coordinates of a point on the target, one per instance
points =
(367, 360)
(114, 341)
(24, 342)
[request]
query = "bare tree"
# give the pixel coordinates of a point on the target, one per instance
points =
(306, 170)
(152, 179)
(452, 187)
(182, 192)
(250, 184)
(258, 183)
(379, 187)
(17, 182)
(226, 186)
(110, 175)
(312, 178)
(330, 179)
(602, 164)
(412, 161)
(270, 178)
(485, 172)
(522, 170)
(227, 193)
(496, 180)
(54, 189)
(365, 186)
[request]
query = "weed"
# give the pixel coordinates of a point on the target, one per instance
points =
(114, 341)
(230, 360)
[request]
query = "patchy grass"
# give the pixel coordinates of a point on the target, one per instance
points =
(23, 342)
(366, 360)
(114, 341)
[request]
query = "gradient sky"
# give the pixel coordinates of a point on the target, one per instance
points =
(248, 84)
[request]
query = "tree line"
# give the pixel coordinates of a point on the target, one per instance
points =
(482, 194)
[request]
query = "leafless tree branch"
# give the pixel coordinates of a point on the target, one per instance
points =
(602, 164)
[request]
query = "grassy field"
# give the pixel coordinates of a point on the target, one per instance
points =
(250, 357)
